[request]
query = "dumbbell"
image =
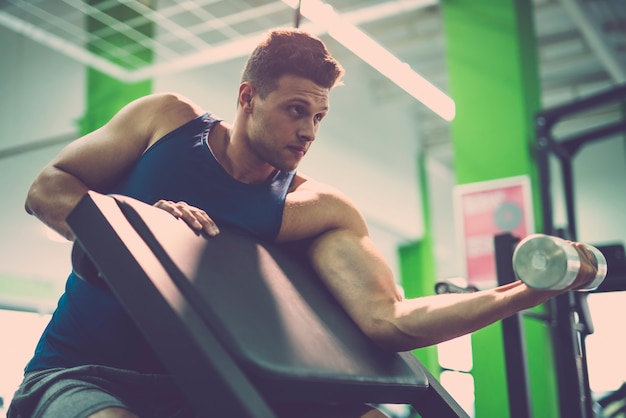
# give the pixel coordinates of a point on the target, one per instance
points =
(547, 262)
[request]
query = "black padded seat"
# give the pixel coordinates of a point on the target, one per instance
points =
(241, 324)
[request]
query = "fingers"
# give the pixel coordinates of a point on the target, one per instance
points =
(169, 207)
(196, 218)
(588, 265)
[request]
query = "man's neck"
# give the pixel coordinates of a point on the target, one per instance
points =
(233, 155)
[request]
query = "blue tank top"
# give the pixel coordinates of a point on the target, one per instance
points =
(89, 326)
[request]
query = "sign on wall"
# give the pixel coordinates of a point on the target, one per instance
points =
(484, 210)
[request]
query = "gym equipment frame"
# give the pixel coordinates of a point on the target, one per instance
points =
(569, 335)
(241, 324)
(517, 379)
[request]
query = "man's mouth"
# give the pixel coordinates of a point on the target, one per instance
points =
(299, 151)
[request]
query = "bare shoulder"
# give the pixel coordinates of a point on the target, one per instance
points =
(175, 103)
(160, 113)
(160, 103)
(303, 183)
(306, 190)
(313, 208)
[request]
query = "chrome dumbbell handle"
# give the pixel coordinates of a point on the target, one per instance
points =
(547, 262)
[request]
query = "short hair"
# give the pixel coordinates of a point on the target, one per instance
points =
(294, 52)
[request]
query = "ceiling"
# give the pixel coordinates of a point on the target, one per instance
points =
(582, 43)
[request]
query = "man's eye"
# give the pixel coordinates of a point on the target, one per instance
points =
(296, 110)
(319, 118)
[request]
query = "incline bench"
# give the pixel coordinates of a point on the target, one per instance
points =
(240, 323)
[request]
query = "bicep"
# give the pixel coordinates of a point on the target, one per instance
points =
(343, 254)
(358, 276)
(91, 162)
(98, 158)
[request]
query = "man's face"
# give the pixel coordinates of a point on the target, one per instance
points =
(283, 125)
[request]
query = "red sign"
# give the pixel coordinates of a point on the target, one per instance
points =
(485, 210)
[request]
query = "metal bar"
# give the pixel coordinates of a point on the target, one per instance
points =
(575, 142)
(612, 95)
(436, 402)
(586, 329)
(513, 335)
(36, 145)
(543, 167)
(62, 46)
(568, 185)
(568, 360)
(597, 41)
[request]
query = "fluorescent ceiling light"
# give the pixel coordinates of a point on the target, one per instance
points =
(323, 15)
(322, 19)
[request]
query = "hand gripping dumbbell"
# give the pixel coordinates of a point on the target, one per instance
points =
(547, 262)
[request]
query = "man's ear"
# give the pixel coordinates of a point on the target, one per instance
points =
(246, 93)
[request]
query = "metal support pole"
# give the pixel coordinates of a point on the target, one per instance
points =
(513, 335)
(570, 207)
(542, 128)
(567, 345)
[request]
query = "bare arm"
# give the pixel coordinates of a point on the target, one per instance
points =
(97, 160)
(358, 274)
(346, 259)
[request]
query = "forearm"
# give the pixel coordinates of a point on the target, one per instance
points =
(52, 196)
(429, 320)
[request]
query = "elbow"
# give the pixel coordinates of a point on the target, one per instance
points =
(46, 201)
(39, 191)
(27, 207)
(389, 335)
(31, 203)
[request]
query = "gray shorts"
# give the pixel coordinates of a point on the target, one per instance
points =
(81, 391)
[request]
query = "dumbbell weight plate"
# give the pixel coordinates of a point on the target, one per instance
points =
(543, 262)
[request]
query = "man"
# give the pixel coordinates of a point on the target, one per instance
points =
(165, 150)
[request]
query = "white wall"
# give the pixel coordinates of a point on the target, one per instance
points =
(42, 97)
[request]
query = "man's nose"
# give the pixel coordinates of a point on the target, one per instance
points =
(307, 131)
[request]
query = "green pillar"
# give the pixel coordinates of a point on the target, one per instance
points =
(493, 76)
(105, 94)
